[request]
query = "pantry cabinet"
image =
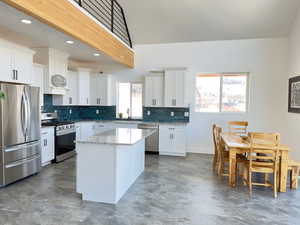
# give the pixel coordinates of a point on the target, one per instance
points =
(175, 88)
(154, 87)
(16, 63)
(172, 140)
(47, 138)
(38, 81)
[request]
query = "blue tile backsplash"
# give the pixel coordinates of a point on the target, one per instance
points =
(79, 113)
(163, 114)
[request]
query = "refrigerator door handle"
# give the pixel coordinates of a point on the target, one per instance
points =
(27, 109)
(17, 148)
(23, 114)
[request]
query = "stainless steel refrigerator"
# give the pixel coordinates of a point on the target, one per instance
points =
(19, 132)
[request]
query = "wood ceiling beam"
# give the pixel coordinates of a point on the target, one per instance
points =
(64, 16)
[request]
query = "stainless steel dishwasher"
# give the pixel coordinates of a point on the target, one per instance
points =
(151, 142)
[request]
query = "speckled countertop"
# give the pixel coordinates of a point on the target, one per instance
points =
(118, 136)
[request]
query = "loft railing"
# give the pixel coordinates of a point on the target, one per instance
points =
(110, 13)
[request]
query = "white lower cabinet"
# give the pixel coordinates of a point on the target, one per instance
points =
(172, 140)
(47, 137)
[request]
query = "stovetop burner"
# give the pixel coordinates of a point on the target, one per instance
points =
(56, 123)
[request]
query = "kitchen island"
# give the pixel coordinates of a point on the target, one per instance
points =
(109, 162)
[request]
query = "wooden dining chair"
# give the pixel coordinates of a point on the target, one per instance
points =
(294, 169)
(221, 158)
(263, 158)
(237, 127)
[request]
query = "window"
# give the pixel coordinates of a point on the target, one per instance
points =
(221, 92)
(130, 100)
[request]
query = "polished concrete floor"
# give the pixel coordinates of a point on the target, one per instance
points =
(177, 191)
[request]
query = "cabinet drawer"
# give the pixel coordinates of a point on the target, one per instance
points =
(21, 152)
(22, 168)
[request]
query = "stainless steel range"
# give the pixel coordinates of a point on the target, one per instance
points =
(65, 134)
(20, 147)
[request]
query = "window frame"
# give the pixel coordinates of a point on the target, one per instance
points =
(247, 74)
(117, 105)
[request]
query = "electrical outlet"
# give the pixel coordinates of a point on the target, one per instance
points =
(148, 113)
(186, 114)
(70, 111)
(172, 113)
(97, 111)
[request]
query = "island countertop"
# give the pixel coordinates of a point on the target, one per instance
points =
(118, 136)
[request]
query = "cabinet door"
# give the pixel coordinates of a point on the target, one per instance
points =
(149, 100)
(83, 88)
(23, 65)
(94, 90)
(180, 141)
(78, 131)
(180, 88)
(103, 88)
(6, 70)
(73, 88)
(170, 89)
(51, 146)
(47, 138)
(38, 80)
(165, 139)
(44, 153)
(157, 90)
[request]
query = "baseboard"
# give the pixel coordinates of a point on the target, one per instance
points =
(199, 149)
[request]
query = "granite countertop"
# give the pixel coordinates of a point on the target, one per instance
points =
(118, 136)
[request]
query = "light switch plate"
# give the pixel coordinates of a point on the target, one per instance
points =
(172, 113)
(148, 113)
(97, 111)
(186, 114)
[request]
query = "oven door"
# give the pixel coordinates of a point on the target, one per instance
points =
(64, 144)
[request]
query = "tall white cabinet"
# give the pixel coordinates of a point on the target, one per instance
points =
(175, 94)
(38, 73)
(154, 89)
(102, 89)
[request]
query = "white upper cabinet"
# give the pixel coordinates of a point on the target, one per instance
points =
(102, 90)
(175, 88)
(16, 63)
(72, 94)
(83, 86)
(154, 86)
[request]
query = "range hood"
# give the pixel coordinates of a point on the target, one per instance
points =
(55, 75)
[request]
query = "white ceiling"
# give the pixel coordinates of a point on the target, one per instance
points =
(165, 21)
(38, 34)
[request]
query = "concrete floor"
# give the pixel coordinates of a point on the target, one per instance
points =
(177, 191)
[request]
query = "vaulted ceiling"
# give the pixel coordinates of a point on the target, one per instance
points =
(166, 21)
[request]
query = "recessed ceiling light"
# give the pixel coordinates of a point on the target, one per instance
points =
(26, 21)
(96, 54)
(70, 42)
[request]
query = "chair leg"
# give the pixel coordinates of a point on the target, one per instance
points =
(275, 184)
(294, 177)
(250, 183)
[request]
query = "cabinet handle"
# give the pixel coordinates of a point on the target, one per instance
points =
(14, 74)
(70, 100)
(87, 101)
(174, 102)
(17, 73)
(99, 101)
(45, 142)
(153, 102)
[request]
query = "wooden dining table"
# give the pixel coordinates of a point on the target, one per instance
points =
(236, 145)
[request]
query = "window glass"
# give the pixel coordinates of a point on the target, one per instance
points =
(208, 93)
(124, 100)
(221, 93)
(234, 93)
(137, 101)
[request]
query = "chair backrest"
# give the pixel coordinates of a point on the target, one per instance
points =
(264, 149)
(237, 127)
(217, 139)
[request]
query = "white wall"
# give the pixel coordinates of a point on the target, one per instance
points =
(265, 59)
(293, 119)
